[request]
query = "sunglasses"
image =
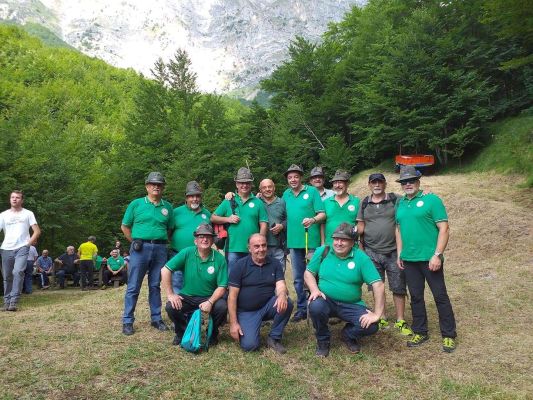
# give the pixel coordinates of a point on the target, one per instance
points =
(409, 181)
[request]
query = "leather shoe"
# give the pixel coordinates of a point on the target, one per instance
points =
(322, 349)
(276, 345)
(353, 345)
(127, 329)
(160, 325)
(177, 340)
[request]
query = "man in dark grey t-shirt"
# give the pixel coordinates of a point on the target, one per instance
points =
(376, 227)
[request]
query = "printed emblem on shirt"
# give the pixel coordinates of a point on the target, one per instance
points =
(211, 270)
(204, 216)
(251, 205)
(351, 265)
(420, 203)
(164, 211)
(351, 207)
(306, 196)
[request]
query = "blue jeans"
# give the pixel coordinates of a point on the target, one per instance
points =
(45, 281)
(233, 257)
(61, 277)
(13, 268)
(149, 260)
(321, 310)
(298, 269)
(177, 276)
(27, 287)
(250, 322)
(279, 254)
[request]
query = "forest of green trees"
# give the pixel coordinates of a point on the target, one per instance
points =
(79, 136)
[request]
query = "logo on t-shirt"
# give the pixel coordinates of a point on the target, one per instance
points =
(306, 196)
(251, 205)
(164, 211)
(211, 270)
(351, 265)
(419, 203)
(204, 216)
(351, 207)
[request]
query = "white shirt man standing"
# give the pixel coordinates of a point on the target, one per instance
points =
(16, 223)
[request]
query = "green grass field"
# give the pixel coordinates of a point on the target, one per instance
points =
(68, 344)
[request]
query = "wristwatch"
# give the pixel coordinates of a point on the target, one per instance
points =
(438, 253)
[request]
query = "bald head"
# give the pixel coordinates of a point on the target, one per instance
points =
(257, 246)
(267, 189)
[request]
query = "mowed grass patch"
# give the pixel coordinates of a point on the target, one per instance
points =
(68, 344)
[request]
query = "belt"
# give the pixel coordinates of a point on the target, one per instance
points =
(152, 241)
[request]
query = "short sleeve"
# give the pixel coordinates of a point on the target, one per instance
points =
(31, 218)
(223, 210)
(177, 263)
(279, 274)
(438, 211)
(318, 204)
(314, 264)
(368, 270)
(128, 215)
(263, 216)
(235, 278)
(222, 277)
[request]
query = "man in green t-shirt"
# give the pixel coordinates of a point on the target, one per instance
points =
(186, 219)
(205, 279)
(305, 211)
(245, 215)
(341, 271)
(421, 237)
(115, 267)
(147, 224)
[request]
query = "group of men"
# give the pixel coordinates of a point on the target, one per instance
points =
(336, 243)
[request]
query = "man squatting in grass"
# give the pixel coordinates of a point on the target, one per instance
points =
(186, 219)
(248, 217)
(205, 278)
(421, 237)
(341, 273)
(376, 226)
(304, 210)
(147, 224)
(257, 293)
(16, 223)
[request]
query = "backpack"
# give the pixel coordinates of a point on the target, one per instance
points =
(391, 198)
(198, 332)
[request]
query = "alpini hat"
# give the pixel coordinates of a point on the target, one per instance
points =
(317, 171)
(340, 175)
(155, 177)
(345, 231)
(192, 188)
(244, 175)
(408, 172)
(294, 168)
(204, 229)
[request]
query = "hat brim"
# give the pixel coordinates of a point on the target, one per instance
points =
(338, 179)
(342, 236)
(292, 170)
(152, 181)
(244, 180)
(407, 178)
(192, 193)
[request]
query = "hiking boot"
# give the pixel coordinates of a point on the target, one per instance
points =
(12, 307)
(177, 340)
(299, 316)
(127, 329)
(417, 340)
(322, 349)
(448, 344)
(276, 345)
(403, 328)
(160, 325)
(352, 344)
(383, 324)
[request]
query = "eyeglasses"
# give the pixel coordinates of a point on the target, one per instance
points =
(409, 182)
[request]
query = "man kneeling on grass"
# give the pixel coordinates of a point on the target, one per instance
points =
(341, 272)
(257, 293)
(205, 278)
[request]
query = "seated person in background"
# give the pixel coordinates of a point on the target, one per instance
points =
(67, 264)
(99, 263)
(115, 267)
(205, 278)
(257, 293)
(341, 272)
(45, 267)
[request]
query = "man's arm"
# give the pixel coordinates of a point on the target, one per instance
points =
(310, 281)
(232, 219)
(207, 305)
(399, 246)
(263, 228)
(378, 291)
(36, 232)
(126, 230)
(282, 297)
(322, 234)
(166, 285)
(435, 263)
(361, 232)
(234, 327)
(319, 217)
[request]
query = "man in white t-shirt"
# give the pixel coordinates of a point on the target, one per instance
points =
(16, 223)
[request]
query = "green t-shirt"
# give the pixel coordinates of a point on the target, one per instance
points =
(335, 214)
(148, 221)
(185, 222)
(115, 263)
(417, 219)
(98, 263)
(200, 278)
(250, 213)
(341, 278)
(306, 205)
